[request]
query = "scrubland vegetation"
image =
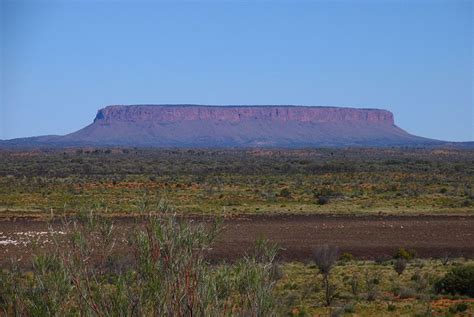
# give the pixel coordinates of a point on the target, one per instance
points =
(240, 181)
(167, 274)
(373, 288)
(166, 271)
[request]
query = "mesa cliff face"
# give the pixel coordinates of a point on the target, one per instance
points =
(168, 114)
(241, 126)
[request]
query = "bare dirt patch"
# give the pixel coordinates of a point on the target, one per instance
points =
(367, 237)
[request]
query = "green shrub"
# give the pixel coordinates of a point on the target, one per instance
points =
(285, 193)
(372, 281)
(407, 254)
(322, 200)
(346, 257)
(400, 265)
(458, 308)
(407, 292)
(354, 284)
(349, 308)
(460, 280)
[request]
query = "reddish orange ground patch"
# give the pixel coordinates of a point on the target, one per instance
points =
(446, 303)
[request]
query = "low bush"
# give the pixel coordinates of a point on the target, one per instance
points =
(407, 292)
(322, 200)
(349, 308)
(346, 257)
(285, 192)
(458, 308)
(407, 254)
(372, 281)
(460, 280)
(400, 265)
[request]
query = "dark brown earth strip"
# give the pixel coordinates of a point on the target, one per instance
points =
(367, 237)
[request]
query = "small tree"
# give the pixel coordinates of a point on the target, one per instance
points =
(325, 257)
(445, 259)
(400, 265)
(354, 284)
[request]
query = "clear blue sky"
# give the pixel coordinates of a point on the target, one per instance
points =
(62, 61)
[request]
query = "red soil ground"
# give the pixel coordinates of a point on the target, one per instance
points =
(368, 237)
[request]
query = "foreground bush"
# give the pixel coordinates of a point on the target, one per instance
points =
(165, 274)
(325, 258)
(460, 280)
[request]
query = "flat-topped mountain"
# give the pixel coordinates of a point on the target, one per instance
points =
(178, 113)
(235, 126)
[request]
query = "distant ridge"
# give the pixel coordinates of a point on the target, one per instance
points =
(188, 125)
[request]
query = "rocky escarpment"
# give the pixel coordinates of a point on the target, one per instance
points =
(173, 113)
(236, 126)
